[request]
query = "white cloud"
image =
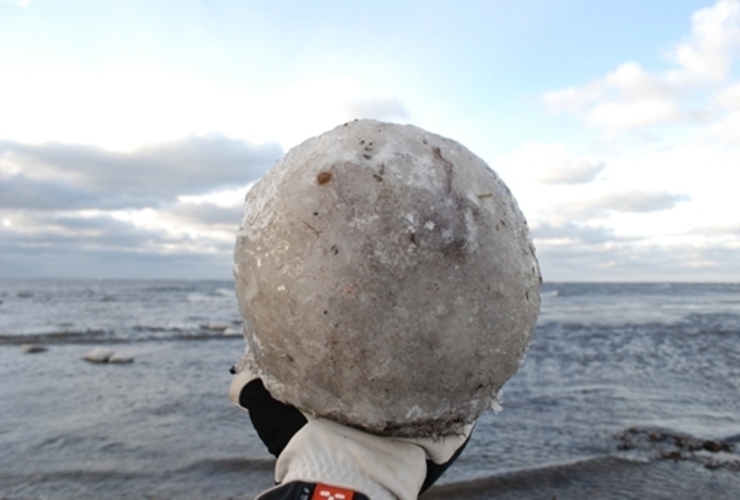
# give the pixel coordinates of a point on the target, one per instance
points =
(635, 201)
(661, 208)
(632, 98)
(124, 107)
(635, 213)
(546, 164)
(729, 97)
(573, 171)
(727, 129)
(624, 99)
(633, 82)
(627, 260)
(570, 233)
(644, 213)
(632, 114)
(714, 39)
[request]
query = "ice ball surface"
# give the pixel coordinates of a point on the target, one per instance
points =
(387, 280)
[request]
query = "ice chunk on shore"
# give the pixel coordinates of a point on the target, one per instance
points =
(101, 355)
(33, 348)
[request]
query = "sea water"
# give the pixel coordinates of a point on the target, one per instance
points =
(622, 381)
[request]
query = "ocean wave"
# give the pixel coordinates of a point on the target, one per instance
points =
(106, 337)
(226, 465)
(177, 287)
(60, 337)
(217, 296)
(160, 328)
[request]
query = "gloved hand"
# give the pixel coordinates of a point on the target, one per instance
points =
(314, 452)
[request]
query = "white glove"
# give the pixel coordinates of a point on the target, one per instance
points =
(380, 467)
(316, 450)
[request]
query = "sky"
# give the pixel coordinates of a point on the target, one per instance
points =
(131, 130)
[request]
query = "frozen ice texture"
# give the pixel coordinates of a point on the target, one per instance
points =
(387, 280)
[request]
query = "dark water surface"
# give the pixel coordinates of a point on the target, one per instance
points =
(628, 391)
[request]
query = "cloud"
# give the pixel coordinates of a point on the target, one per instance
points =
(729, 97)
(22, 261)
(628, 262)
(548, 164)
(144, 231)
(719, 231)
(81, 230)
(207, 214)
(626, 98)
(572, 232)
(714, 39)
(575, 211)
(64, 176)
(636, 259)
(20, 191)
(634, 114)
(638, 201)
(585, 208)
(191, 224)
(631, 98)
(573, 171)
(168, 202)
(131, 244)
(727, 129)
(124, 105)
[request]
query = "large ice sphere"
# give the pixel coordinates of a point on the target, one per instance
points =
(387, 280)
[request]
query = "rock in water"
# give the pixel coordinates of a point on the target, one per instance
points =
(98, 355)
(387, 280)
(33, 348)
(120, 359)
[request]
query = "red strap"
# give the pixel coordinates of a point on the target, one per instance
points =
(326, 492)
